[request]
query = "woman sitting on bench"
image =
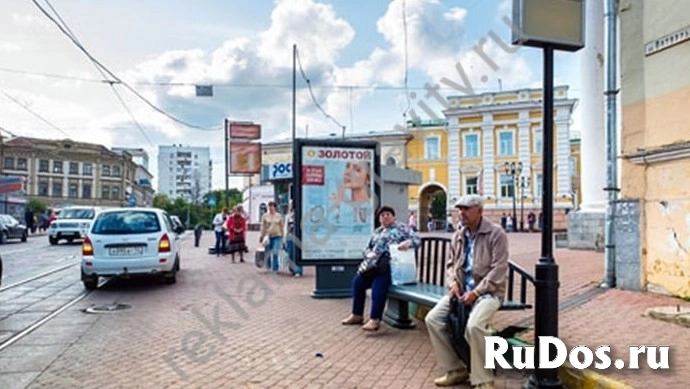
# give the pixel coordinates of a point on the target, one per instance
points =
(390, 232)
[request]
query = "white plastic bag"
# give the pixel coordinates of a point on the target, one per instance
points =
(265, 241)
(403, 265)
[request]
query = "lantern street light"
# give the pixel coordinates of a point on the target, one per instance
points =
(524, 183)
(513, 170)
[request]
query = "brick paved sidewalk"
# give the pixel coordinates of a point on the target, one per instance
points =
(226, 325)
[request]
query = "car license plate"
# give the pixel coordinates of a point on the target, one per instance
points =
(125, 251)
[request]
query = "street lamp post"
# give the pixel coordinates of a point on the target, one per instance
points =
(513, 170)
(524, 183)
(563, 31)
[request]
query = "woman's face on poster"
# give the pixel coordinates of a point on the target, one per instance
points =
(356, 175)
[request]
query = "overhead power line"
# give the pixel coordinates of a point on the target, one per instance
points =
(102, 72)
(313, 98)
(115, 77)
(41, 118)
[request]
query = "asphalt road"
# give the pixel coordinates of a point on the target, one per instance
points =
(22, 260)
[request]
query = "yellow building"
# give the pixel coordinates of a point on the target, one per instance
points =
(653, 243)
(470, 151)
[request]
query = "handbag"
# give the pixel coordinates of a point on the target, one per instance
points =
(370, 266)
(457, 321)
(259, 257)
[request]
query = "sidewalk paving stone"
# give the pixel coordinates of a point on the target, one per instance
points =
(233, 325)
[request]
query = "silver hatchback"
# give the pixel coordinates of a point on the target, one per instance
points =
(130, 241)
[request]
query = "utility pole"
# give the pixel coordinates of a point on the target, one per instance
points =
(227, 163)
(294, 92)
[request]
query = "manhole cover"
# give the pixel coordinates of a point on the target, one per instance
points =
(108, 308)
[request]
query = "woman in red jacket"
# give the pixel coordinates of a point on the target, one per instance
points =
(236, 226)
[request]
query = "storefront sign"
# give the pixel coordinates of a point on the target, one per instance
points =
(280, 171)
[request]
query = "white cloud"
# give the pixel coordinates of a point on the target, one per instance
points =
(6, 47)
(29, 21)
(314, 27)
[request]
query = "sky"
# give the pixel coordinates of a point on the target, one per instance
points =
(367, 63)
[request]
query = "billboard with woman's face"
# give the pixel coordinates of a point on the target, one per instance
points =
(337, 198)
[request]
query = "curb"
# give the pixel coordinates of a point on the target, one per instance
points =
(573, 378)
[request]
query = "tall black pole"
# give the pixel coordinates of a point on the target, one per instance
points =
(546, 272)
(522, 205)
(294, 92)
(515, 192)
(227, 164)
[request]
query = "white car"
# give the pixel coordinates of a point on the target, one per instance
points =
(72, 223)
(130, 241)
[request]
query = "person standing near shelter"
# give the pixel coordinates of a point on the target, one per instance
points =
(412, 221)
(290, 238)
(236, 226)
(218, 225)
(272, 227)
(476, 273)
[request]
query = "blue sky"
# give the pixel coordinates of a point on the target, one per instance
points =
(353, 52)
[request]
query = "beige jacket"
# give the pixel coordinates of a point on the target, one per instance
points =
(272, 225)
(490, 266)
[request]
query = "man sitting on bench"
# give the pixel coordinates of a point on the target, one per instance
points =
(476, 273)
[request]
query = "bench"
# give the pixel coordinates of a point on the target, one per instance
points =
(429, 289)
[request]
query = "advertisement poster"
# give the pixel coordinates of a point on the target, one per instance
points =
(245, 158)
(337, 185)
(243, 130)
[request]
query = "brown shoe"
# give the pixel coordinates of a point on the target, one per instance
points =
(453, 377)
(352, 319)
(372, 325)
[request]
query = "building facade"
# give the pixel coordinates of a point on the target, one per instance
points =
(473, 151)
(652, 217)
(184, 171)
(65, 172)
(141, 192)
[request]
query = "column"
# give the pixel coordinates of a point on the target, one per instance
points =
(592, 114)
(453, 163)
(563, 181)
(488, 176)
(524, 146)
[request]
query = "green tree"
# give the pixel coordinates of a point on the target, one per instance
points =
(438, 205)
(36, 206)
(161, 201)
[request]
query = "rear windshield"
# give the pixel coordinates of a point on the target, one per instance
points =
(126, 222)
(77, 213)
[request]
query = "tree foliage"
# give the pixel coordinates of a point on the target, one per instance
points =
(438, 205)
(195, 212)
(36, 206)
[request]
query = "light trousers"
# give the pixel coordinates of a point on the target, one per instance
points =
(477, 328)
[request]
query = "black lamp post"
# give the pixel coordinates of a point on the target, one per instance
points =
(513, 170)
(564, 31)
(524, 183)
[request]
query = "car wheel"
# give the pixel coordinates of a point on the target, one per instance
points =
(53, 241)
(3, 238)
(171, 276)
(24, 236)
(90, 282)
